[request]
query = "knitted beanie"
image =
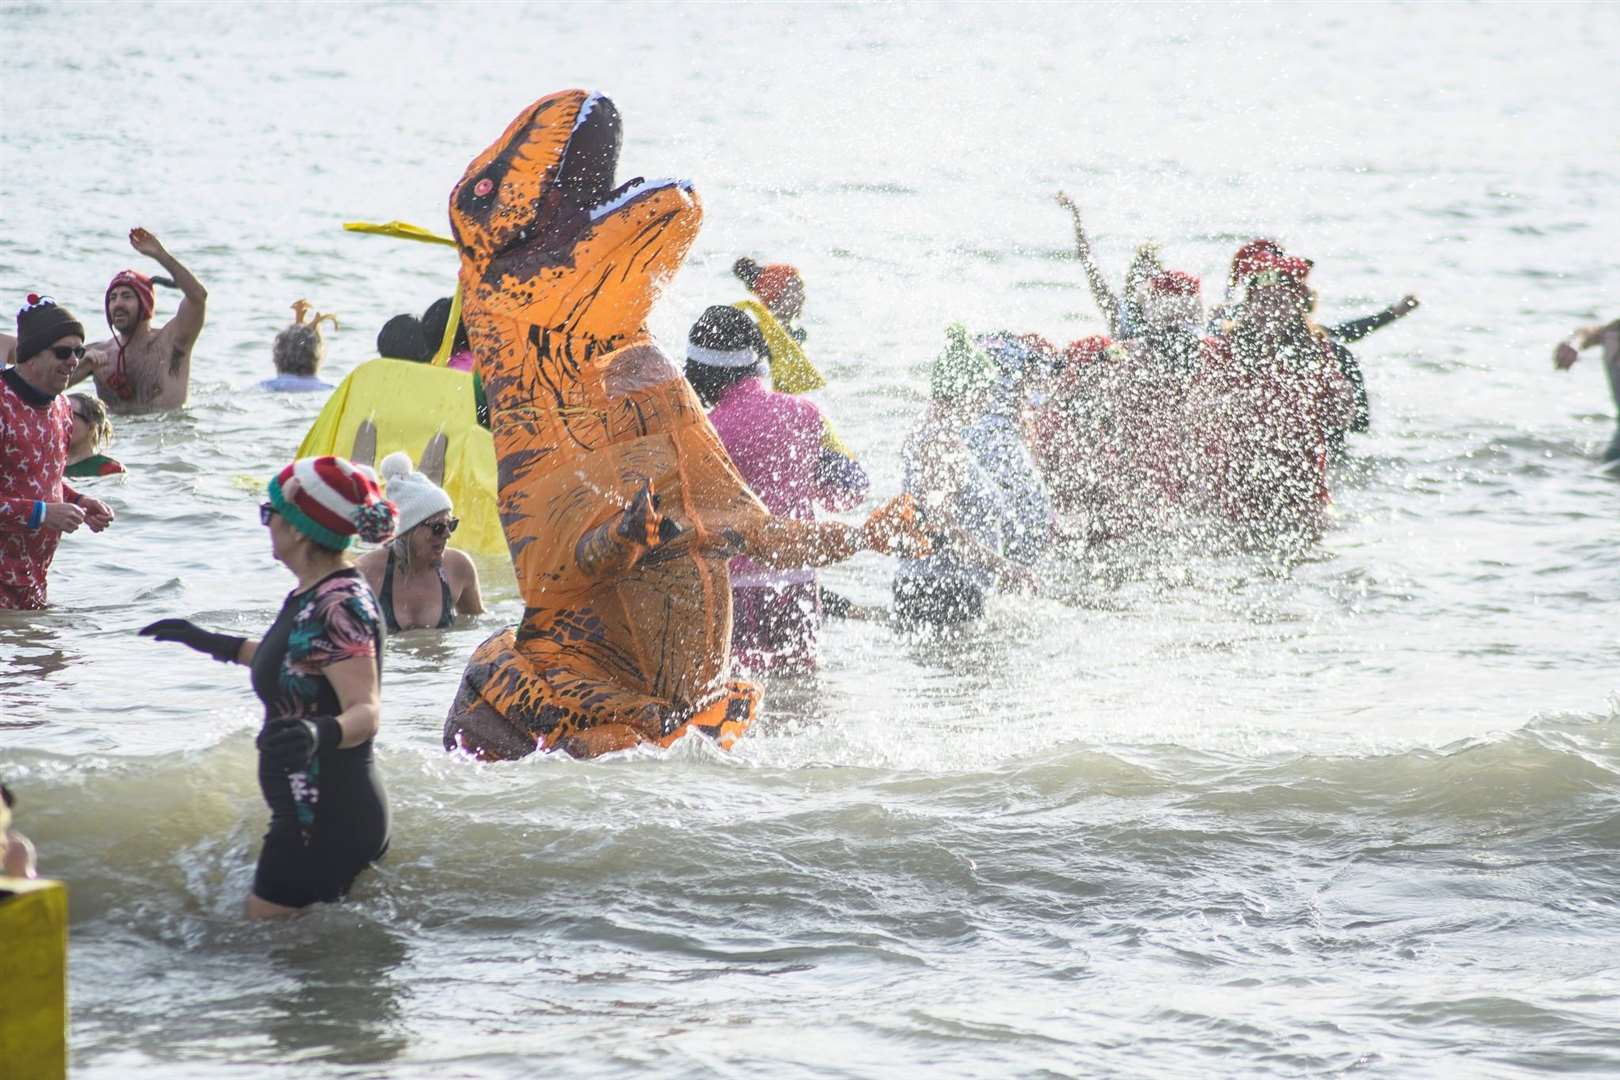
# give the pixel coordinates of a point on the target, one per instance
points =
(131, 279)
(724, 337)
(776, 283)
(41, 323)
(416, 497)
(335, 501)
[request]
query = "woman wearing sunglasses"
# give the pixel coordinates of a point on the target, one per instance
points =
(318, 672)
(420, 580)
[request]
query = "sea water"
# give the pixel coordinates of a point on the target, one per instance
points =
(1190, 812)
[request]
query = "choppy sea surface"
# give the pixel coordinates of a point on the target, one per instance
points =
(1188, 813)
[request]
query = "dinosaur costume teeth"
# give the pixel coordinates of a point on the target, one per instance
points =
(619, 504)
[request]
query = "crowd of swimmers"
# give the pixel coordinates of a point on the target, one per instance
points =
(1230, 415)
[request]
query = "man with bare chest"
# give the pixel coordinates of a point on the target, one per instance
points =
(142, 367)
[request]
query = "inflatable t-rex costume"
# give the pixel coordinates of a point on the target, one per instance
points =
(618, 501)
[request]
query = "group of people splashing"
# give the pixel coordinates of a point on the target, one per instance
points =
(660, 526)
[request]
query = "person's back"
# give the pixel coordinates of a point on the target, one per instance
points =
(775, 442)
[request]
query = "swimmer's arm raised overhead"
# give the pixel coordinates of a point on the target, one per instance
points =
(188, 320)
(1107, 302)
(1568, 351)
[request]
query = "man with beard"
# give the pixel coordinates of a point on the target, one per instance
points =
(141, 368)
(36, 423)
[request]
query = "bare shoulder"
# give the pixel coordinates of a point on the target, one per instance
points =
(459, 563)
(371, 565)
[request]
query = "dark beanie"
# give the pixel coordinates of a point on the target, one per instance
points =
(725, 329)
(402, 339)
(434, 320)
(42, 323)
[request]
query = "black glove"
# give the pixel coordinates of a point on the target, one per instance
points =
(290, 744)
(222, 647)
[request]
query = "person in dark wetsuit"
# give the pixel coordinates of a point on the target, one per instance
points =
(420, 581)
(317, 670)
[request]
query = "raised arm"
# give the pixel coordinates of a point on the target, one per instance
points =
(1107, 302)
(1356, 329)
(188, 321)
(1569, 350)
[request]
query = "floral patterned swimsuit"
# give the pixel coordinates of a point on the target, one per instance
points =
(330, 822)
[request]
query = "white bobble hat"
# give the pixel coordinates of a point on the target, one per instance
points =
(417, 497)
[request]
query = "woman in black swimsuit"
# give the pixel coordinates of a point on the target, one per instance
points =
(317, 670)
(419, 579)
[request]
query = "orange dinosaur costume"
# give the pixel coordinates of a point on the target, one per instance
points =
(619, 503)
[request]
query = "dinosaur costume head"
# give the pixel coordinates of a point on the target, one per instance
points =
(537, 214)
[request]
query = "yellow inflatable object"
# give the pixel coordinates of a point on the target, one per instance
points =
(410, 403)
(33, 979)
(791, 370)
(399, 230)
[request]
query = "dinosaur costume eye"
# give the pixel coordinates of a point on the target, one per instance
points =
(483, 187)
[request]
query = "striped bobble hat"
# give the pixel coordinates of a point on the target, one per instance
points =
(335, 500)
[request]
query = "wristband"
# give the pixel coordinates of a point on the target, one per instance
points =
(37, 517)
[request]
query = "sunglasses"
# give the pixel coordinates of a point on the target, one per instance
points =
(266, 512)
(77, 415)
(442, 528)
(62, 352)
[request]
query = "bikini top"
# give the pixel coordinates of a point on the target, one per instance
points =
(385, 599)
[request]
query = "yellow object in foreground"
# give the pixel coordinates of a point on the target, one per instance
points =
(33, 979)
(410, 403)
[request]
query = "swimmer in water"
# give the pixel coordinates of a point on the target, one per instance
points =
(317, 671)
(298, 352)
(775, 440)
(963, 508)
(91, 431)
(141, 368)
(1569, 351)
(17, 857)
(1124, 312)
(420, 581)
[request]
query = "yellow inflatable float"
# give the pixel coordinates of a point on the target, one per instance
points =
(410, 404)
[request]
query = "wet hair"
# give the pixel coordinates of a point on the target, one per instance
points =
(724, 329)
(433, 323)
(95, 414)
(298, 350)
(401, 338)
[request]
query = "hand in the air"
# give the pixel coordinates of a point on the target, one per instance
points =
(1406, 304)
(145, 243)
(1565, 355)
